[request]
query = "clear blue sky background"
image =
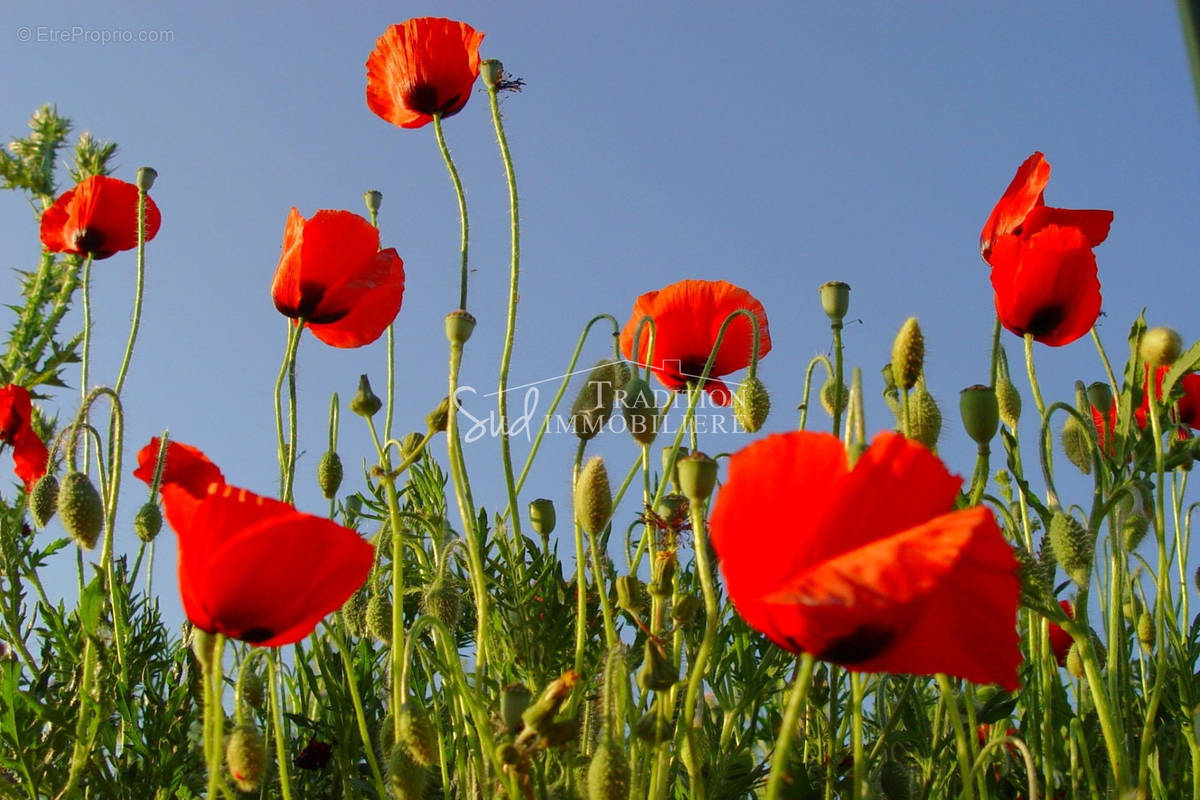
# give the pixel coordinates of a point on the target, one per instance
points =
(777, 145)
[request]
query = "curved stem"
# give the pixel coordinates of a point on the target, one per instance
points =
(787, 729)
(1033, 382)
(462, 205)
(138, 289)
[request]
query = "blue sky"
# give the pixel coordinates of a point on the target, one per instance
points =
(777, 145)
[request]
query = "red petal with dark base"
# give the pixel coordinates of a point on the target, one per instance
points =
(98, 218)
(16, 429)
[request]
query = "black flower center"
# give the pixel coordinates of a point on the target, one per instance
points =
(256, 635)
(1046, 321)
(863, 643)
(91, 240)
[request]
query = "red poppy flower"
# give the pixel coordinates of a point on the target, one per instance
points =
(687, 316)
(97, 218)
(422, 67)
(867, 567)
(1046, 285)
(16, 429)
(1187, 407)
(186, 467)
(1106, 428)
(333, 276)
(258, 570)
(1022, 211)
(1060, 640)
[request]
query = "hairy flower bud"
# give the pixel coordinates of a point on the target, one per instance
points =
(925, 418)
(908, 354)
(246, 757)
(43, 499)
(1072, 546)
(640, 410)
(354, 613)
(252, 689)
(148, 521)
(594, 404)
(442, 601)
(1146, 631)
(379, 617)
(329, 474)
(406, 778)
(752, 404)
(417, 734)
(1075, 661)
(1008, 402)
(1160, 346)
(631, 594)
(1076, 443)
(608, 772)
(593, 497)
(80, 509)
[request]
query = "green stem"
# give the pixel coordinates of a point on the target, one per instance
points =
(1189, 21)
(281, 756)
(359, 715)
(962, 746)
(139, 287)
(287, 448)
(787, 729)
(837, 376)
(1033, 382)
(856, 735)
(462, 206)
(214, 716)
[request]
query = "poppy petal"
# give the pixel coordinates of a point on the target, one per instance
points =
(381, 293)
(186, 467)
(98, 218)
(1020, 198)
(1093, 223)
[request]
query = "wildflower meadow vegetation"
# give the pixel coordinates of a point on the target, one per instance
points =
(819, 614)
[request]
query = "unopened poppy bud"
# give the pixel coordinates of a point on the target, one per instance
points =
(980, 414)
(1099, 394)
(648, 729)
(833, 400)
(908, 354)
(608, 772)
(1035, 583)
(1076, 443)
(365, 403)
(1075, 661)
(148, 521)
(492, 72)
(1160, 346)
(622, 374)
(354, 613)
(1072, 546)
(594, 404)
(438, 420)
(514, 699)
(43, 499)
(662, 573)
(593, 497)
(442, 601)
(329, 474)
(925, 418)
(538, 716)
(835, 300)
(542, 516)
(145, 177)
(672, 509)
(1008, 402)
(752, 404)
(406, 778)
(889, 377)
(410, 443)
(697, 477)
(685, 610)
(895, 781)
(373, 199)
(1133, 530)
(1146, 631)
(379, 617)
(641, 412)
(1132, 607)
(252, 689)
(80, 509)
(417, 734)
(246, 757)
(631, 594)
(657, 673)
(459, 326)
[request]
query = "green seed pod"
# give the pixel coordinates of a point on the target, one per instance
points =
(1077, 444)
(684, 611)
(145, 177)
(835, 300)
(514, 699)
(662, 572)
(1072, 547)
(406, 778)
(1146, 631)
(43, 499)
(438, 420)
(657, 673)
(246, 757)
(1133, 530)
(417, 734)
(608, 772)
(379, 617)
(459, 326)
(365, 403)
(542, 516)
(594, 404)
(1160, 346)
(373, 200)
(252, 689)
(925, 418)
(1100, 395)
(638, 406)
(148, 521)
(833, 400)
(442, 601)
(980, 414)
(894, 779)
(752, 404)
(593, 497)
(631, 594)
(491, 70)
(1008, 402)
(908, 354)
(1075, 661)
(354, 613)
(697, 477)
(329, 474)
(80, 509)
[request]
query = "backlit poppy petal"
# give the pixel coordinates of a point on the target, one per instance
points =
(1046, 285)
(869, 567)
(687, 317)
(256, 569)
(98, 218)
(1060, 640)
(1020, 198)
(186, 467)
(1093, 223)
(16, 429)
(332, 275)
(422, 67)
